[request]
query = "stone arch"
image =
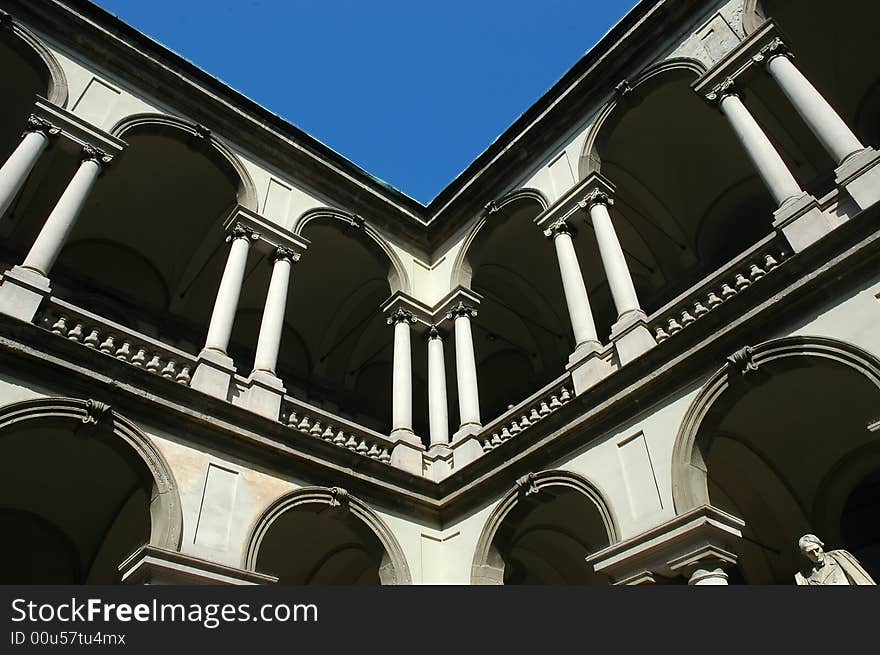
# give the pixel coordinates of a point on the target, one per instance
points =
(56, 87)
(590, 161)
(398, 279)
(689, 469)
(218, 150)
(393, 570)
(166, 514)
(461, 269)
(753, 15)
(488, 565)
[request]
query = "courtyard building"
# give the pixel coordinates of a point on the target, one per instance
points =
(635, 342)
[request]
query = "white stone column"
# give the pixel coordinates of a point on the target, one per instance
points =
(834, 135)
(226, 303)
(401, 391)
(272, 324)
(58, 226)
(769, 164)
(466, 369)
(579, 311)
(623, 290)
(21, 162)
(438, 409)
(702, 577)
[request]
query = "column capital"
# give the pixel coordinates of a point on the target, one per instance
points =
(596, 197)
(95, 154)
(557, 227)
(282, 252)
(241, 231)
(35, 123)
(401, 316)
(722, 90)
(434, 333)
(461, 309)
(776, 48)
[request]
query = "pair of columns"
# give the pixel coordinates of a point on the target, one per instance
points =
(25, 286)
(629, 333)
(824, 122)
(215, 369)
(466, 375)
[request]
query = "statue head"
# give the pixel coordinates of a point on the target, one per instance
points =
(811, 547)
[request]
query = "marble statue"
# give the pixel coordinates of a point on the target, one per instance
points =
(836, 567)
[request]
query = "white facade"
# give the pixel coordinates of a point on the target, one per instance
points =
(634, 342)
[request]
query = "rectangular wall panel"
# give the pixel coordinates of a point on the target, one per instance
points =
(96, 101)
(215, 513)
(277, 202)
(638, 473)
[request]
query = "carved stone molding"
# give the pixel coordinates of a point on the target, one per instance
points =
(461, 309)
(490, 208)
(401, 316)
(97, 413)
(36, 124)
(338, 497)
(528, 484)
(556, 228)
(91, 153)
(241, 231)
(596, 197)
(720, 91)
(741, 362)
(776, 48)
(285, 253)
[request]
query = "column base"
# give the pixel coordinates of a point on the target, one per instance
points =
(859, 175)
(263, 393)
(631, 336)
(802, 223)
(407, 456)
(588, 367)
(465, 449)
(213, 374)
(439, 462)
(150, 565)
(22, 292)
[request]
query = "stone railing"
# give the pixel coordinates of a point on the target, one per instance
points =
(725, 283)
(115, 340)
(534, 409)
(313, 421)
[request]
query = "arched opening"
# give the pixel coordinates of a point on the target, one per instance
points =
(522, 336)
(336, 351)
(541, 532)
(833, 43)
(76, 498)
(324, 536)
(787, 448)
(687, 199)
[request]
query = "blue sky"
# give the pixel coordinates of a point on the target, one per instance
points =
(410, 91)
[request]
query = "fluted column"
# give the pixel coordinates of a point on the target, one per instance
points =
(466, 368)
(438, 410)
(269, 341)
(767, 161)
(226, 303)
(579, 312)
(58, 226)
(13, 175)
(620, 281)
(832, 132)
(401, 392)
